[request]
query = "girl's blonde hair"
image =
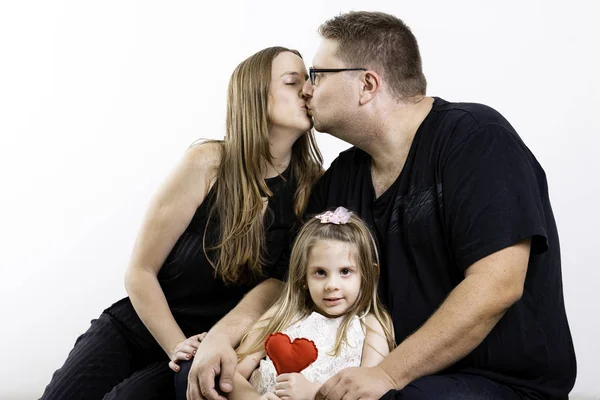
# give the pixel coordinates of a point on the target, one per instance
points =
(245, 153)
(295, 300)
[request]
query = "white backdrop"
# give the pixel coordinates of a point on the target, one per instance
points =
(98, 100)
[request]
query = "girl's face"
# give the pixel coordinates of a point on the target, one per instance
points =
(333, 277)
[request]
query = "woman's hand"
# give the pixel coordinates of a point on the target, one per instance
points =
(185, 351)
(295, 386)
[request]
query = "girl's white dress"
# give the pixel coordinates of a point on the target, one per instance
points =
(323, 331)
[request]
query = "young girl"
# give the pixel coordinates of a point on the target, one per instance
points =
(330, 298)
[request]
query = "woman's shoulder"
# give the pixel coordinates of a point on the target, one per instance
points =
(205, 153)
(204, 157)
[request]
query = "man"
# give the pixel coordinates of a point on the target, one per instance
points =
(470, 261)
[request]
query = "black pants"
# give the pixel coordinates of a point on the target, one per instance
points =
(453, 387)
(442, 387)
(106, 365)
(181, 380)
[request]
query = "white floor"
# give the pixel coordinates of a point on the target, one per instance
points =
(32, 396)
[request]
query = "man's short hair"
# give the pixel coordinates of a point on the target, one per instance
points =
(382, 42)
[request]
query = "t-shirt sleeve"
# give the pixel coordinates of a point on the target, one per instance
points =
(492, 195)
(282, 266)
(319, 194)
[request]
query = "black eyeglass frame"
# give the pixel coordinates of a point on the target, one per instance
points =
(312, 72)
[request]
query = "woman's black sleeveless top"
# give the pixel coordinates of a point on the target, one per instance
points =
(197, 298)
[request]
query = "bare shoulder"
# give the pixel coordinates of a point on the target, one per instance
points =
(204, 155)
(200, 165)
(373, 324)
(376, 347)
(186, 187)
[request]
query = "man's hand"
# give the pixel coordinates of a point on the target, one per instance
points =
(185, 351)
(295, 386)
(214, 358)
(357, 383)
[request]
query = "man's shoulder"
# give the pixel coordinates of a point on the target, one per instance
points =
(352, 156)
(468, 115)
(340, 182)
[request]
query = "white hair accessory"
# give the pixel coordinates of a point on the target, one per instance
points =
(341, 215)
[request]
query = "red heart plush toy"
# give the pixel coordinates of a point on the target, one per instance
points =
(288, 356)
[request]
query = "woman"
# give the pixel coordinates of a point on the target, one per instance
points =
(220, 225)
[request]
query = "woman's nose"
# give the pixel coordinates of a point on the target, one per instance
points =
(307, 90)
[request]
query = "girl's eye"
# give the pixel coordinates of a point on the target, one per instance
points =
(319, 272)
(346, 271)
(291, 83)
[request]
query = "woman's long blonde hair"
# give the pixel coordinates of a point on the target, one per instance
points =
(239, 179)
(295, 302)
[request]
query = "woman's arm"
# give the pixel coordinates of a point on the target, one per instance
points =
(168, 215)
(375, 348)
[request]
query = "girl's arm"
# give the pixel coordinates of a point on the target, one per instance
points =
(242, 389)
(169, 213)
(375, 348)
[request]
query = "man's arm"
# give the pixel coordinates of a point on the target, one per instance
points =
(216, 355)
(491, 197)
(464, 319)
(238, 321)
(462, 322)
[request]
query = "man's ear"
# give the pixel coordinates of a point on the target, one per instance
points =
(370, 86)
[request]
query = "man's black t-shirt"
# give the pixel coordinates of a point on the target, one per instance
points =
(469, 188)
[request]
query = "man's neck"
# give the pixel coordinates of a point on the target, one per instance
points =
(392, 144)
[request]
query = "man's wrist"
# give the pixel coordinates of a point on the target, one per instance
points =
(396, 382)
(220, 335)
(232, 329)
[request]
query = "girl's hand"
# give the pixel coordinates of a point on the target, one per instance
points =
(185, 351)
(295, 386)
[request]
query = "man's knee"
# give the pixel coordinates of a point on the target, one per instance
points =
(452, 387)
(181, 379)
(408, 393)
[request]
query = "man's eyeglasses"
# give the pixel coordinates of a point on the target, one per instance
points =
(312, 72)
